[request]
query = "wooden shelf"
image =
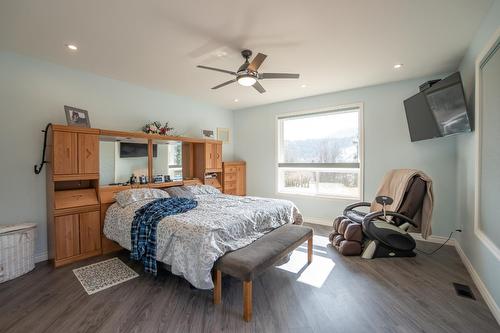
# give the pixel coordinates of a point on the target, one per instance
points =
(166, 184)
(142, 135)
(60, 178)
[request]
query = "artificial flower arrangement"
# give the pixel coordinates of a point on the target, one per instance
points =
(156, 128)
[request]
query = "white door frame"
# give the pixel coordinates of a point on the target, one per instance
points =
(478, 118)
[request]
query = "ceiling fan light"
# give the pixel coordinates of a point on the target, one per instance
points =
(246, 80)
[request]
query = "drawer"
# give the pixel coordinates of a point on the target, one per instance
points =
(230, 169)
(229, 177)
(231, 192)
(230, 185)
(107, 193)
(212, 182)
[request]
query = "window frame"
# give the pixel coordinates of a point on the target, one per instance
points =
(306, 113)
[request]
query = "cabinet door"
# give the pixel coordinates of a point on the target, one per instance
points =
(217, 151)
(67, 239)
(209, 156)
(65, 153)
(88, 153)
(90, 231)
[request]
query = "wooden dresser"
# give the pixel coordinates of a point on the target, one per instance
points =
(73, 210)
(234, 177)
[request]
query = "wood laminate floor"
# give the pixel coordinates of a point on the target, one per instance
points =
(333, 294)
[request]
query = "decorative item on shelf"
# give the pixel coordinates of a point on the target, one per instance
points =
(161, 179)
(209, 134)
(156, 128)
(133, 179)
(223, 134)
(143, 179)
(77, 117)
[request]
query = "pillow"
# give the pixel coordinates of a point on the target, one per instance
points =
(180, 192)
(125, 198)
(203, 189)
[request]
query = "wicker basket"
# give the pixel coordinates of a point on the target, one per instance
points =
(17, 250)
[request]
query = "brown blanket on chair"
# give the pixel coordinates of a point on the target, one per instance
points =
(394, 185)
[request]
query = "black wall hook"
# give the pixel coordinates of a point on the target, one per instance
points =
(38, 168)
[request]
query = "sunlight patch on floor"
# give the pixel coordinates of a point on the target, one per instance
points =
(318, 271)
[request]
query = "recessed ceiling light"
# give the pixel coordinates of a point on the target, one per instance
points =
(398, 66)
(303, 85)
(72, 47)
(236, 100)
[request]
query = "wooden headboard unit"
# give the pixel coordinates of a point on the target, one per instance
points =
(77, 203)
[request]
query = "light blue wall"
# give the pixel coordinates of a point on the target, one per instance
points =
(387, 146)
(32, 93)
(484, 262)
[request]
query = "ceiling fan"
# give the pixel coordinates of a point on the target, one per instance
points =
(247, 75)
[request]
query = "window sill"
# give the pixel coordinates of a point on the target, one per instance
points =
(319, 196)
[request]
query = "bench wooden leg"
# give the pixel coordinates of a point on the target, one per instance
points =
(247, 300)
(309, 250)
(217, 287)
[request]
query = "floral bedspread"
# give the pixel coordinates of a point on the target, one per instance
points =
(192, 242)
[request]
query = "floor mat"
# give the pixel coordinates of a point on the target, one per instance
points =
(104, 274)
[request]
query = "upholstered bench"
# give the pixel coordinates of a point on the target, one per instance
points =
(248, 262)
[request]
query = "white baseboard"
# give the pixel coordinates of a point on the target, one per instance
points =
(490, 301)
(42, 256)
(317, 220)
(433, 239)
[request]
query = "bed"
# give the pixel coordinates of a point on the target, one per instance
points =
(191, 242)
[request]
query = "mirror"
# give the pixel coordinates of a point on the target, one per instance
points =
(120, 158)
(167, 161)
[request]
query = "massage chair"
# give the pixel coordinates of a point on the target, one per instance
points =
(382, 233)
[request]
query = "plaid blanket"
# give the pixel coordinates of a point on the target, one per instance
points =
(146, 219)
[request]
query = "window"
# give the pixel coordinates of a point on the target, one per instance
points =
(319, 153)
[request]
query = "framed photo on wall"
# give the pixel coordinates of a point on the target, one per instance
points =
(224, 134)
(207, 133)
(77, 117)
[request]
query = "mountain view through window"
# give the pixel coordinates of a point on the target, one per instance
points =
(319, 154)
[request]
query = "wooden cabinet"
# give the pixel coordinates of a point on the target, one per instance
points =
(77, 236)
(234, 178)
(90, 232)
(75, 153)
(66, 238)
(65, 153)
(213, 156)
(88, 153)
(217, 148)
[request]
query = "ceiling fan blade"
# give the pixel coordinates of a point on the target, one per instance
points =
(258, 87)
(256, 62)
(224, 84)
(278, 76)
(217, 69)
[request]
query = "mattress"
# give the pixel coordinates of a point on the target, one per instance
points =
(191, 242)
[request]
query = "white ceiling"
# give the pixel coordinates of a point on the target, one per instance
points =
(334, 44)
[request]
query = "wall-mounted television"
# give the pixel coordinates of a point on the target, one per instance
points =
(438, 110)
(130, 149)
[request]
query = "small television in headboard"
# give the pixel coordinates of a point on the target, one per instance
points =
(129, 149)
